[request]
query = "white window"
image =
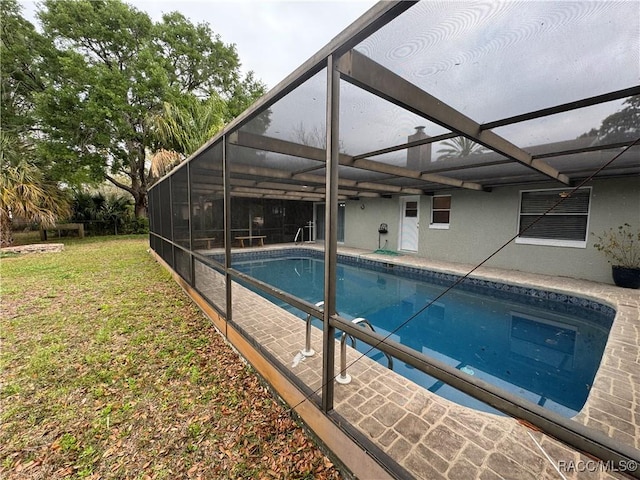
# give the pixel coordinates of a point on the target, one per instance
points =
(440, 211)
(564, 224)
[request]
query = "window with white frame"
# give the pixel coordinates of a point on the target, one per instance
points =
(565, 221)
(440, 211)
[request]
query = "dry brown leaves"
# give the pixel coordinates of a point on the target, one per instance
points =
(131, 381)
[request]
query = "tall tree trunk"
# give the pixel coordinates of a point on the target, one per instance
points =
(141, 205)
(6, 235)
(138, 187)
(140, 182)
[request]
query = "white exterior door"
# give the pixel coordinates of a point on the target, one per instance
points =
(409, 223)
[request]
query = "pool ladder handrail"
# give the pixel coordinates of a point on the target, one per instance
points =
(344, 378)
(308, 351)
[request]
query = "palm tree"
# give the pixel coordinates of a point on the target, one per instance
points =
(459, 147)
(24, 191)
(162, 161)
(181, 129)
(115, 211)
(103, 213)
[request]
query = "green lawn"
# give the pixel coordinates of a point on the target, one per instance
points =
(109, 371)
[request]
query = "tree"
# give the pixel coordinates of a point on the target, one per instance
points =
(113, 69)
(316, 136)
(245, 93)
(181, 130)
(20, 61)
(459, 147)
(24, 191)
(623, 125)
(162, 162)
(103, 214)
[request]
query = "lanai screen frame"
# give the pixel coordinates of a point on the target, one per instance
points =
(342, 62)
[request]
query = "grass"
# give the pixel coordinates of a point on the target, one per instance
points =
(109, 371)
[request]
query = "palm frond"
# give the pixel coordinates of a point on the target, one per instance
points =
(459, 147)
(163, 161)
(184, 128)
(24, 191)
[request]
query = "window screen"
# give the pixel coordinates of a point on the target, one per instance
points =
(411, 209)
(564, 220)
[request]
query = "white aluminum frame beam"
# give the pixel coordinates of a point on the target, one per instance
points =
(353, 188)
(363, 72)
(276, 145)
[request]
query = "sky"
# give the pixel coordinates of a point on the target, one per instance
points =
(272, 38)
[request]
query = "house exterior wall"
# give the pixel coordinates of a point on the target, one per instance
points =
(482, 222)
(361, 224)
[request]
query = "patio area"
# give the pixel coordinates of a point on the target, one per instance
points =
(429, 437)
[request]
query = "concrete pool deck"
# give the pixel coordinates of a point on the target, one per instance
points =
(431, 437)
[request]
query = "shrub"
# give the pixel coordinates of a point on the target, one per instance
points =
(620, 245)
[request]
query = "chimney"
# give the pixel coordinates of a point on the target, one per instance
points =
(418, 157)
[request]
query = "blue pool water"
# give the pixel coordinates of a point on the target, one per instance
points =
(542, 346)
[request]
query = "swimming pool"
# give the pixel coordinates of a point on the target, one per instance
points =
(543, 346)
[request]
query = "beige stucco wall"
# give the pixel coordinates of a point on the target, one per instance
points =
(361, 224)
(483, 222)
